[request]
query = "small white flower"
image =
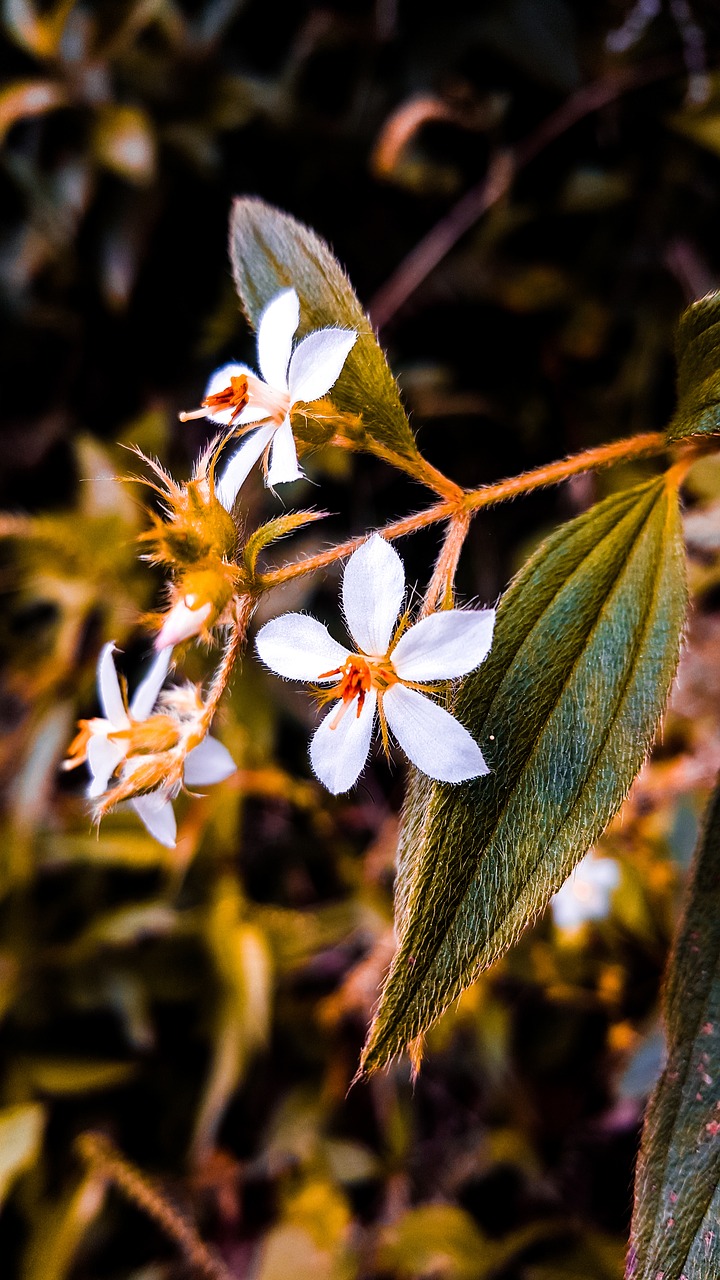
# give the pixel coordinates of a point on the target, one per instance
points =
(236, 396)
(382, 673)
(586, 894)
(134, 736)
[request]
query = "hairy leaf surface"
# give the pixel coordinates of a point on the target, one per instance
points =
(271, 251)
(675, 1228)
(565, 707)
(698, 355)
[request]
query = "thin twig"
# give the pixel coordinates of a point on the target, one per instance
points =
(651, 442)
(446, 233)
(440, 589)
(98, 1152)
(244, 606)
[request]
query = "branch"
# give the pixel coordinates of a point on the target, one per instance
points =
(504, 166)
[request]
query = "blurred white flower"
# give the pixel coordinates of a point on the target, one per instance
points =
(586, 894)
(144, 746)
(383, 673)
(235, 396)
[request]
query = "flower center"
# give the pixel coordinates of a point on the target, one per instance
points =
(273, 400)
(358, 675)
(149, 737)
(234, 397)
(244, 389)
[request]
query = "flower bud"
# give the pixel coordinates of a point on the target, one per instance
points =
(201, 600)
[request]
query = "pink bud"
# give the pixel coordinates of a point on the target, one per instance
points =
(182, 622)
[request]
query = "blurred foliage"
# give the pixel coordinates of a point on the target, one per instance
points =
(204, 1007)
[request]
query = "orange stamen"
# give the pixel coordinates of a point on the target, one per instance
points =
(358, 675)
(152, 736)
(77, 751)
(235, 397)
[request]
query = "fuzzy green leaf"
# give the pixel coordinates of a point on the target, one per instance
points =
(697, 346)
(677, 1198)
(565, 708)
(271, 251)
(272, 530)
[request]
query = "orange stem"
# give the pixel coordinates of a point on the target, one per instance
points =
(440, 590)
(244, 607)
(470, 501)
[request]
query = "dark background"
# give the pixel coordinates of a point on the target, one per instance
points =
(546, 328)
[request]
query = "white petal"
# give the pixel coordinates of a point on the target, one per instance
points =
(111, 699)
(299, 647)
(182, 623)
(283, 457)
(338, 755)
(317, 362)
(103, 758)
(218, 381)
(147, 692)
(209, 762)
(241, 464)
(256, 411)
(431, 738)
(156, 812)
(372, 592)
(276, 331)
(445, 645)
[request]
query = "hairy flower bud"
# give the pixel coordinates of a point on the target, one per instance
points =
(195, 527)
(201, 599)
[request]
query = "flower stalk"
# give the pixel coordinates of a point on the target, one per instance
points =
(649, 444)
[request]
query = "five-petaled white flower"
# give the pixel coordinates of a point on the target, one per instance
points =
(236, 396)
(383, 673)
(586, 894)
(139, 742)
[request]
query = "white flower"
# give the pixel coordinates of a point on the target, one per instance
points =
(382, 673)
(135, 739)
(236, 396)
(586, 894)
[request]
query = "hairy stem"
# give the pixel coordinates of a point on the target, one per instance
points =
(439, 594)
(244, 606)
(473, 500)
(413, 465)
(103, 1158)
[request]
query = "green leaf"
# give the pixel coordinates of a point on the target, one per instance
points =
(697, 346)
(565, 708)
(272, 530)
(271, 251)
(677, 1196)
(21, 1131)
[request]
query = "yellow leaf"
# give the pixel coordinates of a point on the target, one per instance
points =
(290, 1251)
(128, 849)
(28, 98)
(72, 1075)
(124, 141)
(21, 1130)
(60, 1231)
(242, 959)
(703, 129)
(39, 35)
